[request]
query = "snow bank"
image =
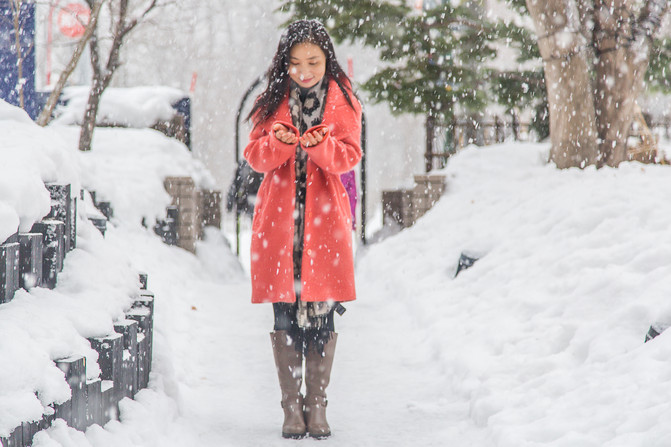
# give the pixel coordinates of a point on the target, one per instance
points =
(126, 167)
(31, 156)
(539, 343)
(137, 107)
(542, 339)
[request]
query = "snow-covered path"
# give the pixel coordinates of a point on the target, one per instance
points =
(540, 343)
(214, 380)
(384, 393)
(229, 395)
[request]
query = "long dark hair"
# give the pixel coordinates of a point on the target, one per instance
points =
(300, 31)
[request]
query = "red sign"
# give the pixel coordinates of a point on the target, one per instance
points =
(194, 78)
(73, 18)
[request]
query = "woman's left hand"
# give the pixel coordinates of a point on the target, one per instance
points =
(312, 138)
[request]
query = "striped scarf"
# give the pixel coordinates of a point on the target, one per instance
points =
(307, 110)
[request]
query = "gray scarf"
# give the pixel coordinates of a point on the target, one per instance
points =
(307, 110)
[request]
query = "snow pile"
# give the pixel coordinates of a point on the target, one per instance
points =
(99, 276)
(137, 107)
(31, 156)
(542, 339)
(45, 325)
(540, 342)
(127, 167)
(10, 113)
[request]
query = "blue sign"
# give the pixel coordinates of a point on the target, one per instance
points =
(9, 67)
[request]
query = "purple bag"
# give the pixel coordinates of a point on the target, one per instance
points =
(349, 182)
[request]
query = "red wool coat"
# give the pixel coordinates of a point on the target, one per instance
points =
(328, 264)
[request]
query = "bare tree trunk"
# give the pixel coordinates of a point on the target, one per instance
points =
(93, 103)
(623, 48)
(101, 80)
(573, 129)
(89, 122)
(45, 115)
(102, 76)
(619, 82)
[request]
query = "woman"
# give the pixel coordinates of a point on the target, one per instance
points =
(307, 131)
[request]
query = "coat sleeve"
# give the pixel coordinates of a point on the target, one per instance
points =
(264, 151)
(340, 150)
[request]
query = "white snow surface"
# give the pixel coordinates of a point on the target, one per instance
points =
(31, 156)
(137, 107)
(539, 343)
(127, 167)
(98, 279)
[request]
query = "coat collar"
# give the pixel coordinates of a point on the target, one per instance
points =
(334, 98)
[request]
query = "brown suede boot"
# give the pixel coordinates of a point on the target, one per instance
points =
(317, 378)
(290, 372)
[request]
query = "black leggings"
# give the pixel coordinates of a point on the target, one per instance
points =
(285, 320)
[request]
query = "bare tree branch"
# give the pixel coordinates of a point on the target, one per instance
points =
(103, 76)
(133, 23)
(45, 115)
(95, 53)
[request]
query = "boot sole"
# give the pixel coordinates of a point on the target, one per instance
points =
(322, 436)
(293, 435)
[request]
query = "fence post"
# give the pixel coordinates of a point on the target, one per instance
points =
(74, 369)
(128, 329)
(428, 155)
(500, 137)
(471, 130)
(516, 126)
(456, 132)
(94, 403)
(110, 360)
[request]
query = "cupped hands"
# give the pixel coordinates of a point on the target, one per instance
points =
(308, 139)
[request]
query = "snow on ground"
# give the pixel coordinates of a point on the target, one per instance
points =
(541, 339)
(99, 278)
(31, 156)
(539, 343)
(127, 167)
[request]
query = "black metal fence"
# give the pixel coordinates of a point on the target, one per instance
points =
(444, 138)
(36, 258)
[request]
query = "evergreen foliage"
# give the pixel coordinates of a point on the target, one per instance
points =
(434, 57)
(658, 77)
(442, 55)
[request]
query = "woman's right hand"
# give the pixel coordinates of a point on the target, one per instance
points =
(284, 135)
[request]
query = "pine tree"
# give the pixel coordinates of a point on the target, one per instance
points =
(658, 77)
(516, 88)
(441, 56)
(434, 58)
